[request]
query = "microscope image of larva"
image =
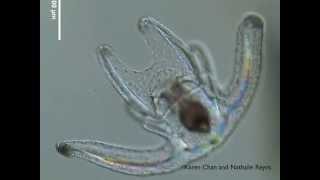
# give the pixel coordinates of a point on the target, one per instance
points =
(178, 97)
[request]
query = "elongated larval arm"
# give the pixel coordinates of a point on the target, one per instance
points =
(126, 160)
(248, 54)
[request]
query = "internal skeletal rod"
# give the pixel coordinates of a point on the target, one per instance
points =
(142, 90)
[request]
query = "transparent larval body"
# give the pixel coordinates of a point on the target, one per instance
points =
(177, 97)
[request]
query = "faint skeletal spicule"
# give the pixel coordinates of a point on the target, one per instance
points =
(177, 97)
